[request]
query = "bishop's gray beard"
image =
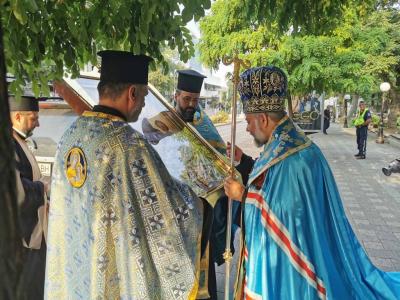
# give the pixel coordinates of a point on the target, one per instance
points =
(258, 143)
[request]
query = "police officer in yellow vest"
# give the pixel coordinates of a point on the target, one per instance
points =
(361, 122)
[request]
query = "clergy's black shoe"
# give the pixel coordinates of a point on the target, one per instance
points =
(360, 156)
(357, 155)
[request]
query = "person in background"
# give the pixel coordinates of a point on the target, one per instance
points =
(361, 122)
(187, 105)
(327, 119)
(34, 188)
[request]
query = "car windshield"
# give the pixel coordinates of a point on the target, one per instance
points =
(187, 156)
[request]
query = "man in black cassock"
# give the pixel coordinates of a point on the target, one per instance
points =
(187, 105)
(32, 190)
(187, 99)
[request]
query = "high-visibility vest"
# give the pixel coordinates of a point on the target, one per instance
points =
(360, 119)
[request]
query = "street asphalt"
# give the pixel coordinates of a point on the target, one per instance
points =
(371, 199)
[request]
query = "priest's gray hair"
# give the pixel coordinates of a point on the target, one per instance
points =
(113, 90)
(275, 116)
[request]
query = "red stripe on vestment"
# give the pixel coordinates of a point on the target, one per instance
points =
(247, 293)
(304, 265)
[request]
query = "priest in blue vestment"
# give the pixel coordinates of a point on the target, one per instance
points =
(297, 241)
(187, 97)
(120, 226)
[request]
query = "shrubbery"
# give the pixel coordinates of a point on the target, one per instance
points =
(375, 120)
(220, 117)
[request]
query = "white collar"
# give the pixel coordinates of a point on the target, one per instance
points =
(20, 133)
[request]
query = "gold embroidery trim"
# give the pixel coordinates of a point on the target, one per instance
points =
(263, 103)
(102, 115)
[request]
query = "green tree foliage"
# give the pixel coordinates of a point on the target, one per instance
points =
(46, 39)
(227, 30)
(253, 25)
(307, 16)
(354, 57)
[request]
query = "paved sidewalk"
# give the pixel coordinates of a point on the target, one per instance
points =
(371, 199)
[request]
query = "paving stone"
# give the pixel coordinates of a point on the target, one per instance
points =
(367, 232)
(373, 195)
(381, 207)
(383, 253)
(346, 193)
(387, 235)
(376, 200)
(367, 189)
(362, 237)
(396, 264)
(391, 245)
(393, 223)
(357, 213)
(372, 227)
(388, 216)
(371, 215)
(381, 262)
(360, 221)
(373, 245)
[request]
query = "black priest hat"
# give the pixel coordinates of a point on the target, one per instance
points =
(190, 81)
(124, 67)
(24, 103)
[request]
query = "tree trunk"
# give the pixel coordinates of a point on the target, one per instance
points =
(289, 104)
(10, 243)
(393, 108)
(340, 102)
(353, 108)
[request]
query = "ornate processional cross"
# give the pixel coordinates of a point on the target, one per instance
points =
(237, 64)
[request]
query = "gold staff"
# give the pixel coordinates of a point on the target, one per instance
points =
(237, 63)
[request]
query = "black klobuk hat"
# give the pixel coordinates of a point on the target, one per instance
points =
(124, 67)
(190, 81)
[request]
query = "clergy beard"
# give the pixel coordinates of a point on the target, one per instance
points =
(260, 138)
(29, 133)
(134, 116)
(258, 143)
(187, 114)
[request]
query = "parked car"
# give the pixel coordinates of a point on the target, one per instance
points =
(54, 118)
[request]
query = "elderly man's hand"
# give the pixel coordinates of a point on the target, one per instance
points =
(233, 189)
